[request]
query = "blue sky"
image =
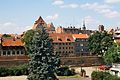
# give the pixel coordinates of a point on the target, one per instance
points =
(17, 16)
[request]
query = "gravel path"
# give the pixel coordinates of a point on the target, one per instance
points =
(24, 78)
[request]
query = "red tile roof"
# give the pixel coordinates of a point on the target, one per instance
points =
(11, 42)
(117, 41)
(83, 36)
(57, 37)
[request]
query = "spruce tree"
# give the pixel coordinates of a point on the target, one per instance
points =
(43, 62)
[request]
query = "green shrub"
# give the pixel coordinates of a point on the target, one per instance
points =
(3, 71)
(65, 71)
(100, 75)
(14, 71)
(17, 71)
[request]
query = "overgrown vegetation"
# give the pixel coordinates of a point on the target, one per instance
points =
(100, 75)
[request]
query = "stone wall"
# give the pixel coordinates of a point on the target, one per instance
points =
(73, 61)
(82, 61)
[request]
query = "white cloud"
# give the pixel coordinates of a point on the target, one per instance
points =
(58, 2)
(70, 6)
(10, 27)
(103, 9)
(91, 22)
(53, 17)
(112, 1)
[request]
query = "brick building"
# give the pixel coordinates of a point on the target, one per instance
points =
(63, 44)
(73, 30)
(40, 23)
(11, 47)
(70, 45)
(81, 44)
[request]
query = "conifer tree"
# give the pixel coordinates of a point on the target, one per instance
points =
(43, 62)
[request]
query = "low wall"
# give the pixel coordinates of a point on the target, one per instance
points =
(82, 61)
(73, 61)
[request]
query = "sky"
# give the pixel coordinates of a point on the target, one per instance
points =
(17, 16)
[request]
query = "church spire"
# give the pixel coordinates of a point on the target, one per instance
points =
(84, 27)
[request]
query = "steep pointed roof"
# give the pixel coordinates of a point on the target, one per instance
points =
(38, 22)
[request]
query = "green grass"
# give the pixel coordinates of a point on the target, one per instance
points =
(64, 77)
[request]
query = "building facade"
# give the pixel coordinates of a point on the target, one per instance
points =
(63, 44)
(11, 47)
(81, 44)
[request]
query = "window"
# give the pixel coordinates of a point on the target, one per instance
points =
(81, 44)
(59, 47)
(81, 49)
(63, 43)
(63, 47)
(17, 52)
(22, 52)
(4, 52)
(66, 48)
(8, 52)
(82, 39)
(68, 40)
(66, 43)
(56, 43)
(69, 43)
(13, 53)
(60, 39)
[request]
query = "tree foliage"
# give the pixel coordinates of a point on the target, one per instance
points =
(113, 54)
(99, 42)
(27, 39)
(43, 63)
(6, 35)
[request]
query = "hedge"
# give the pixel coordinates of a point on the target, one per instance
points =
(100, 75)
(14, 71)
(23, 70)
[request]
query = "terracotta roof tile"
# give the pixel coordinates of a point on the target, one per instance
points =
(11, 42)
(57, 37)
(80, 36)
(117, 41)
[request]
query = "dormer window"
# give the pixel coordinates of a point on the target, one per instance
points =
(60, 39)
(68, 40)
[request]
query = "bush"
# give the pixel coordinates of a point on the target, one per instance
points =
(3, 71)
(14, 71)
(65, 71)
(100, 75)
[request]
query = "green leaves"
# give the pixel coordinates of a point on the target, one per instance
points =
(100, 42)
(113, 54)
